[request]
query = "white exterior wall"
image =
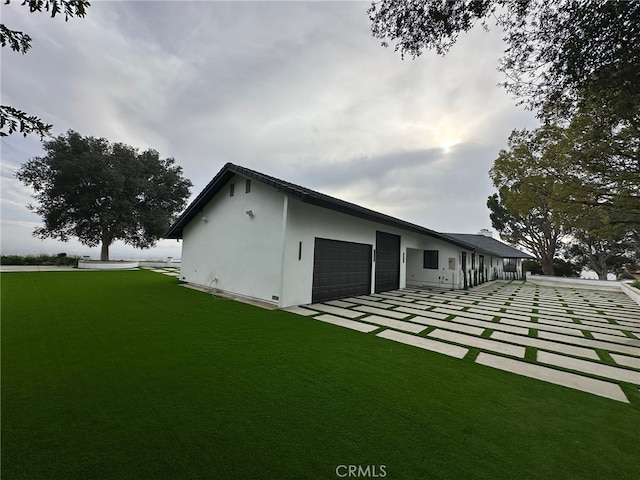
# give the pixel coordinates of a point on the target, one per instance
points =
(307, 222)
(232, 251)
(418, 276)
(497, 267)
(258, 256)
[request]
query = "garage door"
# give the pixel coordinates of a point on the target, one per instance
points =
(387, 262)
(340, 269)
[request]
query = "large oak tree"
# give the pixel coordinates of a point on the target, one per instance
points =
(582, 178)
(100, 192)
(519, 211)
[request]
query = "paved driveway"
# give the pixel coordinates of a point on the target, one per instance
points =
(588, 340)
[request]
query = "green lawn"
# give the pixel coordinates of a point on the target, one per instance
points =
(125, 375)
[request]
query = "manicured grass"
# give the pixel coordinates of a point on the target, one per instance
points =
(125, 375)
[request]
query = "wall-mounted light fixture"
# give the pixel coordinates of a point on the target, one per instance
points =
(250, 213)
(204, 219)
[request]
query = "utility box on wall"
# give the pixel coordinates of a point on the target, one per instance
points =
(452, 263)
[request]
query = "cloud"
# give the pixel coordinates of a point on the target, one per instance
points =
(297, 90)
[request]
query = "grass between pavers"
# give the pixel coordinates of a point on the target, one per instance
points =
(117, 375)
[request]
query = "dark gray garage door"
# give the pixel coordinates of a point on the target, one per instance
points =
(340, 269)
(387, 262)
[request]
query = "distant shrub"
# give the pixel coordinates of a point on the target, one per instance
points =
(636, 284)
(626, 276)
(60, 259)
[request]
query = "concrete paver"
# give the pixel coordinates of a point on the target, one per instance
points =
(614, 338)
(496, 312)
(476, 316)
(368, 297)
(371, 303)
(425, 343)
(409, 304)
(591, 343)
(542, 326)
(570, 324)
(553, 346)
(627, 361)
(585, 366)
(417, 311)
(343, 322)
(483, 343)
(395, 324)
(458, 327)
(343, 312)
(301, 311)
(433, 302)
(492, 325)
(381, 311)
(551, 375)
(340, 303)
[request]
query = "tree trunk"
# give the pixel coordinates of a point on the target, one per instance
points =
(104, 252)
(546, 262)
(598, 261)
(601, 269)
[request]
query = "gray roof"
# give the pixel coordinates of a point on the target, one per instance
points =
(306, 195)
(489, 245)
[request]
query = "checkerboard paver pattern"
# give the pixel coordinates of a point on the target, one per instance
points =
(588, 340)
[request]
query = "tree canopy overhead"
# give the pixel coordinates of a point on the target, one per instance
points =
(13, 119)
(554, 50)
(101, 192)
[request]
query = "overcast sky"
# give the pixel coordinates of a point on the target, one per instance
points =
(297, 90)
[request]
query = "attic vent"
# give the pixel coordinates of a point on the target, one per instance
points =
(232, 189)
(248, 186)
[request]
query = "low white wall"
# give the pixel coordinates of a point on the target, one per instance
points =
(632, 292)
(97, 265)
(573, 282)
(159, 263)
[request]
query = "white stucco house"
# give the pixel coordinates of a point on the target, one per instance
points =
(257, 236)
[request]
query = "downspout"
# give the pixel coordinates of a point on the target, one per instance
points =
(285, 213)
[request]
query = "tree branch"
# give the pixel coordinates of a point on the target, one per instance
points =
(17, 41)
(14, 120)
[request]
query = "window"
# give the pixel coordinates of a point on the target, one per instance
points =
(473, 261)
(481, 260)
(248, 186)
(232, 188)
(431, 259)
(510, 264)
